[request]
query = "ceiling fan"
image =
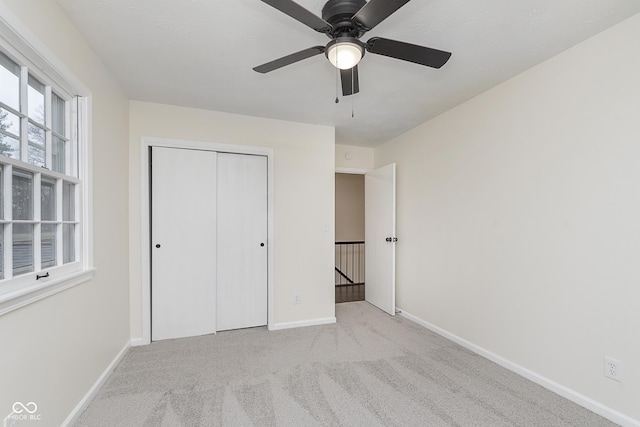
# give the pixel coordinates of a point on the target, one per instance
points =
(345, 22)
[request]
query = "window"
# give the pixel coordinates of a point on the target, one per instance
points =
(43, 214)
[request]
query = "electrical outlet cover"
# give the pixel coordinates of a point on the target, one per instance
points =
(613, 368)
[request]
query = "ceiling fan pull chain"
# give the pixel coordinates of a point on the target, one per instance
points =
(337, 83)
(353, 78)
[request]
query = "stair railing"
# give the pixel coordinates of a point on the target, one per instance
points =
(349, 263)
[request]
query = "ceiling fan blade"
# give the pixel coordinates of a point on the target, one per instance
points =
(408, 52)
(289, 59)
(376, 11)
(349, 81)
(299, 13)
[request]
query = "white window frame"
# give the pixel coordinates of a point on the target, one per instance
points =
(20, 45)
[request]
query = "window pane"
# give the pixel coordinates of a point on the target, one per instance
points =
(36, 155)
(48, 199)
(1, 193)
(22, 195)
(9, 82)
(1, 251)
(58, 154)
(68, 202)
(36, 135)
(37, 151)
(68, 243)
(35, 99)
(58, 114)
(9, 147)
(9, 122)
(48, 240)
(22, 248)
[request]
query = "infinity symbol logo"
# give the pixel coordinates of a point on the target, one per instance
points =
(30, 407)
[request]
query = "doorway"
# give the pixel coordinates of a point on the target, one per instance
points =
(379, 212)
(349, 238)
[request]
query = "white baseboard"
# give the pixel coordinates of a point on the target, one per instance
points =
(82, 405)
(572, 395)
(302, 323)
(136, 342)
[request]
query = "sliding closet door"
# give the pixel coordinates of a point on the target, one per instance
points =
(183, 242)
(242, 241)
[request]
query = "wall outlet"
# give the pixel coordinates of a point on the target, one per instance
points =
(297, 299)
(613, 368)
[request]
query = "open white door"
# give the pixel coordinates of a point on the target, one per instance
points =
(380, 237)
(183, 230)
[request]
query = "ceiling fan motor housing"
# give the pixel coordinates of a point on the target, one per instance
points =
(338, 13)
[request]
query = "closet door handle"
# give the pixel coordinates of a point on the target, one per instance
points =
(261, 244)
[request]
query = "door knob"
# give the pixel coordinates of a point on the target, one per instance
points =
(261, 244)
(388, 239)
(158, 245)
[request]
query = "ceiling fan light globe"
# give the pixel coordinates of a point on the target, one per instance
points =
(344, 55)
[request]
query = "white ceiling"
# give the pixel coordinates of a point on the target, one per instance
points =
(200, 53)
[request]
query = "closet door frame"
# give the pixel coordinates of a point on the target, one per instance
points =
(147, 143)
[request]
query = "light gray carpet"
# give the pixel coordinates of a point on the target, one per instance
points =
(369, 369)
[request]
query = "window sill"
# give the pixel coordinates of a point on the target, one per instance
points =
(36, 292)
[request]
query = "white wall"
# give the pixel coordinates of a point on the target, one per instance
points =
(358, 157)
(349, 218)
(53, 351)
(303, 199)
(519, 218)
